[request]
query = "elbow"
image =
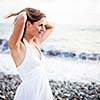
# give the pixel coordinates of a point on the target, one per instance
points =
(10, 45)
(50, 26)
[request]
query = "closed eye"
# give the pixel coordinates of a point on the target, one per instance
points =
(41, 25)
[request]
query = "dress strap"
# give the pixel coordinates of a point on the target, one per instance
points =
(36, 46)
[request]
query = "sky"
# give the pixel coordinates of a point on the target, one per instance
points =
(80, 12)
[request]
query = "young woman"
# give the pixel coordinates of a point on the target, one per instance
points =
(30, 30)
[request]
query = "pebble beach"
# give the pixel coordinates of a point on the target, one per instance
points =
(62, 90)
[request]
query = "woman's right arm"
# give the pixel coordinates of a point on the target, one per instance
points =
(15, 38)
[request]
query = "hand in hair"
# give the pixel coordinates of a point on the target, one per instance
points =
(21, 15)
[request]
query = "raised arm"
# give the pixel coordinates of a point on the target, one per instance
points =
(49, 28)
(18, 30)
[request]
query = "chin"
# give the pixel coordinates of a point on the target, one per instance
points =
(40, 36)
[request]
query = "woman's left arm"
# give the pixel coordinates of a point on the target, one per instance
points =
(49, 28)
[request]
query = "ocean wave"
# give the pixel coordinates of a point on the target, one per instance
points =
(73, 55)
(56, 53)
(4, 46)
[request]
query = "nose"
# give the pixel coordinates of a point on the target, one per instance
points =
(43, 28)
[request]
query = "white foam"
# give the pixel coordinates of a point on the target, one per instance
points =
(7, 65)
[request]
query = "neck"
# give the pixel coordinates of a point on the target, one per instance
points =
(31, 40)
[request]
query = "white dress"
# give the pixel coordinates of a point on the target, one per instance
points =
(35, 84)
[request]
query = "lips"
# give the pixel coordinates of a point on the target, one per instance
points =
(40, 33)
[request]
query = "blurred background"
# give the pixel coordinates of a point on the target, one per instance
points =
(75, 41)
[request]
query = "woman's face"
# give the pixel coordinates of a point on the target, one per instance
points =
(38, 28)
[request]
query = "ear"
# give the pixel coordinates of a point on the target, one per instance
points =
(28, 24)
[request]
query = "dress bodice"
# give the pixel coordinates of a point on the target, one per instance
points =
(31, 61)
(35, 84)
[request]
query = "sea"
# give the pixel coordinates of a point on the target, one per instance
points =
(72, 52)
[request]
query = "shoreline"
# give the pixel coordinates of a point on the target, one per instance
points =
(59, 68)
(74, 70)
